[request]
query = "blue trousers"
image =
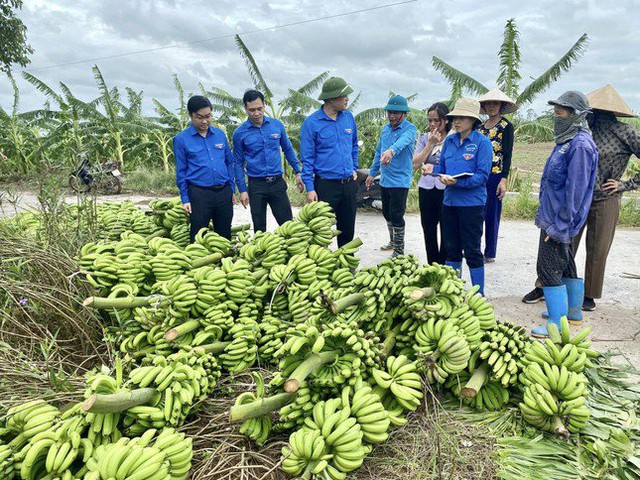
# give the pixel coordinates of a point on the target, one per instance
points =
(492, 212)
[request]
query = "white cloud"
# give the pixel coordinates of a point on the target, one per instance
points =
(376, 51)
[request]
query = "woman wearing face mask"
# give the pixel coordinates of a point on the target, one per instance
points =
(430, 188)
(500, 131)
(566, 190)
(465, 163)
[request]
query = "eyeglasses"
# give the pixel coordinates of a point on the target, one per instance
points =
(203, 117)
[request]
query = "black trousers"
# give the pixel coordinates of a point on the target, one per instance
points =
(394, 204)
(555, 261)
(463, 233)
(430, 216)
(342, 198)
(211, 203)
(263, 193)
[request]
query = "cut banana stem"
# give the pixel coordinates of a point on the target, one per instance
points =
(214, 348)
(260, 407)
(340, 305)
(355, 243)
(559, 428)
(180, 330)
(422, 293)
(389, 342)
(103, 303)
(118, 402)
(311, 363)
(476, 382)
(159, 233)
(240, 228)
(208, 260)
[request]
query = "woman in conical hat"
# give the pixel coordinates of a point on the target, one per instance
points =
(500, 131)
(616, 142)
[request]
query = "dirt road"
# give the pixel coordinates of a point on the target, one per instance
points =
(615, 324)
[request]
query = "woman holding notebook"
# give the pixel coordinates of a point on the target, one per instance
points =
(465, 164)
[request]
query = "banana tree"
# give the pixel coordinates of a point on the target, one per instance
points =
(509, 76)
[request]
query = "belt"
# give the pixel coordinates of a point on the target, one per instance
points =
(337, 180)
(273, 179)
(212, 187)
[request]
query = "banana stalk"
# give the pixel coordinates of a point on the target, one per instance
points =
(208, 260)
(476, 382)
(214, 348)
(340, 305)
(159, 233)
(186, 327)
(355, 243)
(103, 303)
(240, 228)
(559, 428)
(426, 293)
(118, 402)
(388, 343)
(260, 407)
(310, 364)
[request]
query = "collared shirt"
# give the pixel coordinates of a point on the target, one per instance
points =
(259, 148)
(473, 156)
(566, 188)
(202, 161)
(400, 141)
(616, 142)
(328, 147)
(429, 182)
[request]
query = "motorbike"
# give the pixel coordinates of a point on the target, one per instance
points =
(368, 197)
(105, 177)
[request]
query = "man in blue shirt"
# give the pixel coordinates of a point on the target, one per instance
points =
(204, 170)
(256, 144)
(329, 153)
(394, 161)
(566, 190)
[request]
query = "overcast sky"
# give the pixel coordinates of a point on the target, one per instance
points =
(376, 51)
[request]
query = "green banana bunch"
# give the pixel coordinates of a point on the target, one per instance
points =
(306, 454)
(213, 242)
(481, 308)
(181, 234)
(463, 317)
(341, 432)
(183, 294)
(370, 413)
(271, 337)
(29, 419)
(569, 355)
(402, 379)
(324, 259)
(554, 398)
(294, 414)
(178, 449)
(296, 235)
(562, 337)
(345, 257)
(503, 348)
(128, 459)
(169, 262)
(257, 428)
(442, 349)
(7, 470)
(242, 351)
(239, 284)
(319, 219)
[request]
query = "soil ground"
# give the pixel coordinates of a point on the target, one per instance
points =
(615, 323)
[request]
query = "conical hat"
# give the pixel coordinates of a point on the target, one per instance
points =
(497, 95)
(606, 98)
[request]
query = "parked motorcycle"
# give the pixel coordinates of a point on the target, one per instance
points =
(368, 197)
(105, 178)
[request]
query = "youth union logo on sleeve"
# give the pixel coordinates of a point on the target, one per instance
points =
(348, 131)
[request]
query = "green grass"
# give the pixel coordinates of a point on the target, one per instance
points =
(151, 182)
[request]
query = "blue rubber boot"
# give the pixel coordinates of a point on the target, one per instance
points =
(575, 296)
(477, 278)
(557, 305)
(455, 266)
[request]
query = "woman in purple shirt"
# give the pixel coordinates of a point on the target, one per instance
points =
(430, 188)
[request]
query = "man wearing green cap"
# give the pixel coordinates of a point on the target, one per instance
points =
(329, 154)
(394, 161)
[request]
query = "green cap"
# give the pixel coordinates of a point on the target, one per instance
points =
(397, 104)
(335, 87)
